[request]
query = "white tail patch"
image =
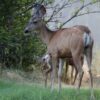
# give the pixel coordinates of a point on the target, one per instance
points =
(87, 39)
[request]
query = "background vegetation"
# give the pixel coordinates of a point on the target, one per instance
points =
(16, 49)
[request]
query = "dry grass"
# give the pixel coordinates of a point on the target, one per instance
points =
(96, 62)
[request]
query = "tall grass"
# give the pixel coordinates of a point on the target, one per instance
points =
(16, 91)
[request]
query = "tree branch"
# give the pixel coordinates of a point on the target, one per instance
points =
(63, 6)
(88, 13)
(77, 12)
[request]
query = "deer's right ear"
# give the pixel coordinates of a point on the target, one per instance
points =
(42, 11)
(39, 10)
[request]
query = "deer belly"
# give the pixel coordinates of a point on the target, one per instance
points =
(64, 53)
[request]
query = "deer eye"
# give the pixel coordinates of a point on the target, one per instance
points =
(35, 22)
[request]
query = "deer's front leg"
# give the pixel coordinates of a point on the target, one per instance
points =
(61, 63)
(53, 72)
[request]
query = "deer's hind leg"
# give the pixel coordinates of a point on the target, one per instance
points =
(76, 73)
(88, 54)
(78, 64)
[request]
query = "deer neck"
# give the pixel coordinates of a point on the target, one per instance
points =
(45, 34)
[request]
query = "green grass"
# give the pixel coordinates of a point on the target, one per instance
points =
(18, 91)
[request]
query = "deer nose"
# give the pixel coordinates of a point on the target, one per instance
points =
(26, 31)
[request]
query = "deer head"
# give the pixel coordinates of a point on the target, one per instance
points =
(38, 13)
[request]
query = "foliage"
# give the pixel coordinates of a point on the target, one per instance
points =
(16, 49)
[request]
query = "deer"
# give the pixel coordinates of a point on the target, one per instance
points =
(61, 44)
(47, 68)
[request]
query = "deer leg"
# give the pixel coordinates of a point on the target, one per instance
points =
(46, 75)
(47, 72)
(72, 71)
(66, 70)
(76, 73)
(89, 61)
(61, 63)
(53, 72)
(81, 72)
(76, 70)
(77, 62)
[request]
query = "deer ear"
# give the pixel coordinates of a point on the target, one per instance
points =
(39, 10)
(42, 11)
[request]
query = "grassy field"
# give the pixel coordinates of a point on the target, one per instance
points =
(21, 91)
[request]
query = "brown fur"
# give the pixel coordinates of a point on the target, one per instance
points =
(61, 44)
(83, 28)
